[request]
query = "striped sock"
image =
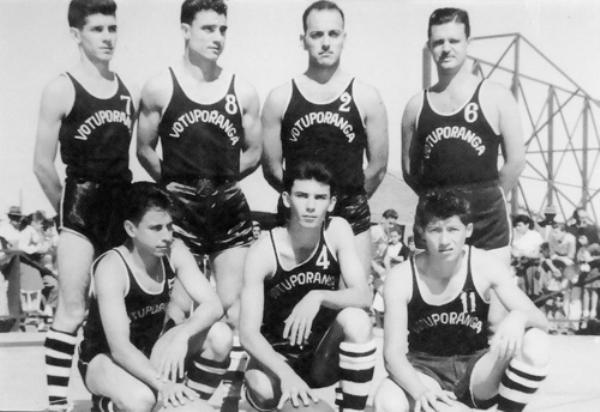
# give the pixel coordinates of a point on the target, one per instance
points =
(204, 375)
(519, 383)
(357, 364)
(59, 348)
(234, 377)
(102, 404)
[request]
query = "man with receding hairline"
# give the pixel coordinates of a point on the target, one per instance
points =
(327, 115)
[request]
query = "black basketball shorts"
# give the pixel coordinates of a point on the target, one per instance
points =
(211, 218)
(95, 211)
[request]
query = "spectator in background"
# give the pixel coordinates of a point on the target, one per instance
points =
(32, 240)
(396, 251)
(10, 230)
(525, 252)
(255, 229)
(581, 224)
(543, 224)
(380, 233)
(562, 244)
(590, 292)
(553, 282)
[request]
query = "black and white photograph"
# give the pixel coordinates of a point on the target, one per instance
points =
(299, 205)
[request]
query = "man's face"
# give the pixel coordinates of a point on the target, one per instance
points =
(389, 223)
(255, 231)
(309, 201)
(445, 238)
(324, 37)
(98, 36)
(154, 232)
(448, 45)
(206, 35)
(558, 233)
(521, 228)
(394, 238)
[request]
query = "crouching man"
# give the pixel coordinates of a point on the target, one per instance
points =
(142, 349)
(436, 337)
(300, 327)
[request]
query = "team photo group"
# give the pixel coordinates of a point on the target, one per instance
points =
(289, 311)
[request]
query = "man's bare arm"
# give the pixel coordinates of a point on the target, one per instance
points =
(155, 96)
(376, 126)
(272, 114)
(252, 144)
(57, 100)
(409, 130)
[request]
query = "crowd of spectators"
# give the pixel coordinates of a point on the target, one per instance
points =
(557, 264)
(28, 247)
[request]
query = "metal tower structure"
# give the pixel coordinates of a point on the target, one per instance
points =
(560, 124)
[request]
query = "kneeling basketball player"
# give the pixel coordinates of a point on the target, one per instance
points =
(140, 351)
(300, 328)
(435, 332)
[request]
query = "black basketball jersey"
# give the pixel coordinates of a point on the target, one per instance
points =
(287, 287)
(201, 140)
(95, 136)
(146, 312)
(332, 133)
(455, 149)
(458, 327)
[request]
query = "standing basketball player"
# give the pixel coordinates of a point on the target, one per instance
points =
(89, 111)
(207, 120)
(300, 329)
(124, 359)
(451, 134)
(327, 115)
(435, 338)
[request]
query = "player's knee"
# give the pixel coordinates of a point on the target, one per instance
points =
(70, 314)
(262, 393)
(355, 323)
(138, 399)
(536, 347)
(219, 341)
(390, 399)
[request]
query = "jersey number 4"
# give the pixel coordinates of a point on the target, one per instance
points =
(323, 259)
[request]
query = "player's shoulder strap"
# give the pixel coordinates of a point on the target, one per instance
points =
(272, 238)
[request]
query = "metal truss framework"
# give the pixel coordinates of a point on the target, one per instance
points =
(560, 124)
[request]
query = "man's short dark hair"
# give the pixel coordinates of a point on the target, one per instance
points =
(523, 219)
(189, 8)
(318, 6)
(143, 196)
(449, 14)
(442, 204)
(308, 170)
(390, 213)
(79, 10)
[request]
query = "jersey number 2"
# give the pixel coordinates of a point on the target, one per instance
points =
(323, 260)
(346, 100)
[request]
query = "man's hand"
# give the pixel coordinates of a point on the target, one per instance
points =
(429, 400)
(509, 336)
(175, 394)
(299, 324)
(296, 390)
(169, 352)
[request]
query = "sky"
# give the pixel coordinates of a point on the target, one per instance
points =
(383, 48)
